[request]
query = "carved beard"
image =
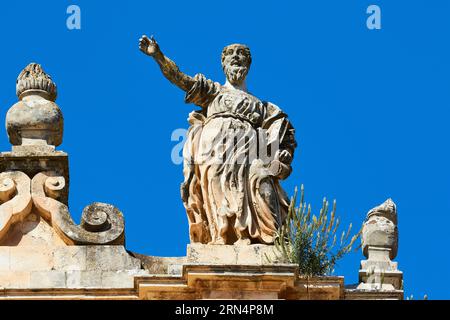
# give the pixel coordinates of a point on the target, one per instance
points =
(236, 74)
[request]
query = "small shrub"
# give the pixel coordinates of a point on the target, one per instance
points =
(311, 241)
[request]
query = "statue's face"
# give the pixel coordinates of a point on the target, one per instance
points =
(236, 62)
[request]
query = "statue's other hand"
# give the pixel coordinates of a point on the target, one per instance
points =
(284, 156)
(148, 46)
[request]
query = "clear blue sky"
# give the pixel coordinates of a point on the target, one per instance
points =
(371, 108)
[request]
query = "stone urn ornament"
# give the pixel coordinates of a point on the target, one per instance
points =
(35, 121)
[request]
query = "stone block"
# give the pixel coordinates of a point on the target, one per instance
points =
(34, 231)
(110, 258)
(231, 254)
(175, 269)
(83, 279)
(118, 279)
(70, 258)
(31, 258)
(211, 254)
(14, 279)
(4, 258)
(380, 280)
(160, 265)
(255, 254)
(47, 279)
(240, 295)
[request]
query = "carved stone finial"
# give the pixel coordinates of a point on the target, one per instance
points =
(380, 229)
(35, 123)
(387, 209)
(380, 245)
(33, 80)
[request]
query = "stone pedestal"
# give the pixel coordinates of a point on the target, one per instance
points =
(33, 160)
(378, 272)
(257, 254)
(254, 282)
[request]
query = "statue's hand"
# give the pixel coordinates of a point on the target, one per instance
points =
(283, 156)
(280, 167)
(148, 46)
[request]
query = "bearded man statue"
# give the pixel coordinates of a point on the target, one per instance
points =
(237, 150)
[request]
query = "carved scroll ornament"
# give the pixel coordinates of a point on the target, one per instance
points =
(100, 223)
(15, 199)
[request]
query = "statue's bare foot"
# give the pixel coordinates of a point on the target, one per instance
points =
(243, 242)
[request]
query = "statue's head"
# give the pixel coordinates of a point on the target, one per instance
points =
(236, 61)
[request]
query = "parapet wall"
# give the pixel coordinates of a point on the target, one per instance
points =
(44, 254)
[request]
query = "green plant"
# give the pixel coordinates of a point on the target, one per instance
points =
(311, 241)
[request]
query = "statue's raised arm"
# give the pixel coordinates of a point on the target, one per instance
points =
(169, 69)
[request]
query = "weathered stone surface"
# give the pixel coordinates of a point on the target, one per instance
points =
(256, 254)
(31, 162)
(15, 279)
(120, 279)
(57, 279)
(378, 272)
(380, 244)
(51, 267)
(48, 279)
(379, 258)
(34, 231)
(15, 199)
(240, 282)
(41, 248)
(111, 258)
(211, 254)
(35, 120)
(316, 288)
(35, 127)
(101, 223)
(71, 258)
(4, 258)
(67, 258)
(175, 269)
(380, 228)
(83, 279)
(161, 265)
(31, 259)
(359, 294)
(240, 295)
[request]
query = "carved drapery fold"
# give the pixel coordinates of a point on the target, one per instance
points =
(100, 223)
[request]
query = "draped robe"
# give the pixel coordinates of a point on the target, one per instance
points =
(229, 193)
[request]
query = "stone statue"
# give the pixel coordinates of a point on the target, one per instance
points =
(231, 190)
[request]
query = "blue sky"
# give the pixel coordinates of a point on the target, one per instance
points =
(370, 108)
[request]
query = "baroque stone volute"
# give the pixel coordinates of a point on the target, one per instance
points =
(35, 120)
